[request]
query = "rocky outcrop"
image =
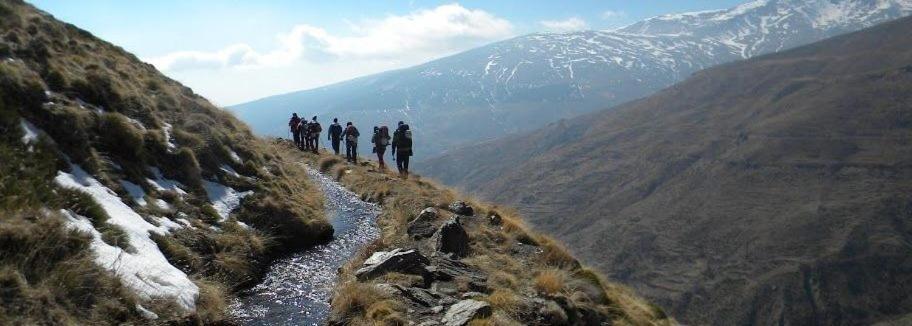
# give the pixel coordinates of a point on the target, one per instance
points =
(397, 260)
(462, 208)
(452, 239)
(445, 269)
(423, 226)
(464, 311)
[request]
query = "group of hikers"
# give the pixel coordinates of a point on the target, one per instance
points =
(306, 136)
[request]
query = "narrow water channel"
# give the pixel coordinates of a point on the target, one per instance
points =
(297, 289)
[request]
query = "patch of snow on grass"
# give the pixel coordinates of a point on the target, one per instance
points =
(235, 157)
(163, 204)
(230, 171)
(160, 183)
(147, 271)
(146, 313)
(167, 127)
(223, 198)
(137, 123)
(185, 221)
(166, 224)
(30, 132)
(136, 192)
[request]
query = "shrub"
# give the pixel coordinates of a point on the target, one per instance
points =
(20, 86)
(185, 167)
(120, 137)
(55, 80)
(97, 88)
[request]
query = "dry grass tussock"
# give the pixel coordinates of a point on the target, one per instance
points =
(552, 272)
(363, 304)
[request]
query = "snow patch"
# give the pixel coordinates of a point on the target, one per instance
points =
(235, 157)
(223, 198)
(30, 132)
(166, 128)
(146, 271)
(230, 171)
(136, 192)
(166, 224)
(137, 123)
(161, 183)
(163, 204)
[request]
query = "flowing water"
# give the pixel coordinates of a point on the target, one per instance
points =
(297, 289)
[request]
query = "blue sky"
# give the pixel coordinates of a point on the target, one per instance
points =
(236, 51)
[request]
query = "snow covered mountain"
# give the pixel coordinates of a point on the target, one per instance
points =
(529, 81)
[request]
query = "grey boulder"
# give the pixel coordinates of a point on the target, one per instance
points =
(398, 260)
(452, 239)
(464, 311)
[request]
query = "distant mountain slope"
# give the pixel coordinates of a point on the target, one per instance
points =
(770, 191)
(529, 81)
(124, 196)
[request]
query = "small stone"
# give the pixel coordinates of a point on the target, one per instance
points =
(437, 309)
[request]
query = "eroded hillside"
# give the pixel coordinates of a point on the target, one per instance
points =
(124, 196)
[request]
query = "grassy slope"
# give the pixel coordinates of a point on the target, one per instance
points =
(101, 108)
(750, 193)
(512, 277)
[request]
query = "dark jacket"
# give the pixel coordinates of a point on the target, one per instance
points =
(401, 143)
(293, 123)
(335, 132)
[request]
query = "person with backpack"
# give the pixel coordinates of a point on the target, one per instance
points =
(402, 148)
(381, 140)
(304, 130)
(293, 125)
(315, 130)
(351, 143)
(335, 134)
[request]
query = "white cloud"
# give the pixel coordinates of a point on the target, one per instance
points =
(418, 36)
(613, 15)
(567, 25)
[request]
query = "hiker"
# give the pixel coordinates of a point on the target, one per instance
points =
(315, 130)
(351, 143)
(402, 148)
(293, 125)
(380, 140)
(305, 136)
(335, 134)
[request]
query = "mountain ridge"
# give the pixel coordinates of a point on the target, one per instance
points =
(750, 192)
(531, 80)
